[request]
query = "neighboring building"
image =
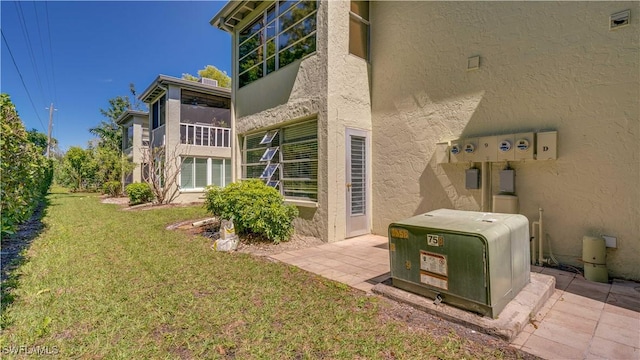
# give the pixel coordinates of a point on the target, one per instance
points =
(343, 105)
(191, 122)
(135, 141)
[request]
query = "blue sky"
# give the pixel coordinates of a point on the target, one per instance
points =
(90, 51)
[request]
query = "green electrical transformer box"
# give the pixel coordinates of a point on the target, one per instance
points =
(472, 260)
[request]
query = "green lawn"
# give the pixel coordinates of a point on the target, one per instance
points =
(100, 282)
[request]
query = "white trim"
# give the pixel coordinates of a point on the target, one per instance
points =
(301, 203)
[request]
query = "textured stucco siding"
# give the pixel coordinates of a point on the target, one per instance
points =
(135, 153)
(291, 94)
(543, 66)
(348, 106)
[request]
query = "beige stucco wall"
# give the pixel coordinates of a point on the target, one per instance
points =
(543, 66)
(348, 106)
(338, 98)
(135, 152)
(294, 93)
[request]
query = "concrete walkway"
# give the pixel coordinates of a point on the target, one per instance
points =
(581, 320)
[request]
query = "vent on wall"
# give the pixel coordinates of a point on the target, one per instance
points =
(619, 19)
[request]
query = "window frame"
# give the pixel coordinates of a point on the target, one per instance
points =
(277, 178)
(367, 24)
(271, 16)
(159, 112)
(224, 166)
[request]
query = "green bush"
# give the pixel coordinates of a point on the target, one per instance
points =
(139, 193)
(255, 208)
(25, 174)
(112, 188)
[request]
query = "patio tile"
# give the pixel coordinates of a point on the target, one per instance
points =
(350, 279)
(331, 273)
(614, 309)
(589, 289)
(629, 337)
(623, 301)
(612, 350)
(573, 309)
(520, 340)
(364, 286)
(591, 356)
(625, 287)
(283, 256)
(550, 349)
(349, 269)
(313, 267)
(563, 334)
(581, 300)
(620, 321)
(562, 281)
(575, 323)
(328, 262)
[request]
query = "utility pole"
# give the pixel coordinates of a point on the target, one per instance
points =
(51, 109)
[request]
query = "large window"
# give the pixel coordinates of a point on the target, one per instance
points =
(158, 110)
(197, 173)
(128, 137)
(285, 32)
(359, 29)
(198, 108)
(285, 158)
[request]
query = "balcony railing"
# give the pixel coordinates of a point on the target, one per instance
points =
(204, 135)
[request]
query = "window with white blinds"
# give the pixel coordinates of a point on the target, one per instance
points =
(285, 158)
(198, 173)
(358, 175)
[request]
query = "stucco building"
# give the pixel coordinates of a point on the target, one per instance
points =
(190, 134)
(351, 109)
(135, 141)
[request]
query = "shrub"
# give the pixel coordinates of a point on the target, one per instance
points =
(112, 188)
(255, 208)
(139, 193)
(25, 174)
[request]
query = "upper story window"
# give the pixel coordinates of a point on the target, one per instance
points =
(128, 137)
(359, 29)
(199, 108)
(158, 112)
(283, 33)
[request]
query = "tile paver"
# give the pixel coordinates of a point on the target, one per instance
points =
(581, 319)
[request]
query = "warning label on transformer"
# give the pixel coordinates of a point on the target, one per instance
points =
(434, 280)
(433, 263)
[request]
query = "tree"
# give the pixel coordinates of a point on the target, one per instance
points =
(108, 131)
(211, 72)
(79, 169)
(25, 174)
(160, 169)
(40, 140)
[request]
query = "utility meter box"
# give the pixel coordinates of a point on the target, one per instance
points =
(524, 146)
(473, 260)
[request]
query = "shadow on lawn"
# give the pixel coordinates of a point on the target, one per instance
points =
(13, 252)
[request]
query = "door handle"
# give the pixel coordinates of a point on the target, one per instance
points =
(349, 186)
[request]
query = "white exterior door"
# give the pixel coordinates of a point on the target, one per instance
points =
(357, 180)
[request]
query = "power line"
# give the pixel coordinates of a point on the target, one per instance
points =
(25, 33)
(35, 9)
(22, 79)
(53, 73)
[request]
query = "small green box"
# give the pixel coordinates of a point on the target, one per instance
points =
(472, 260)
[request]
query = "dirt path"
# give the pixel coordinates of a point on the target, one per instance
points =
(13, 245)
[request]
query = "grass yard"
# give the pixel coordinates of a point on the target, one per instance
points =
(100, 282)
